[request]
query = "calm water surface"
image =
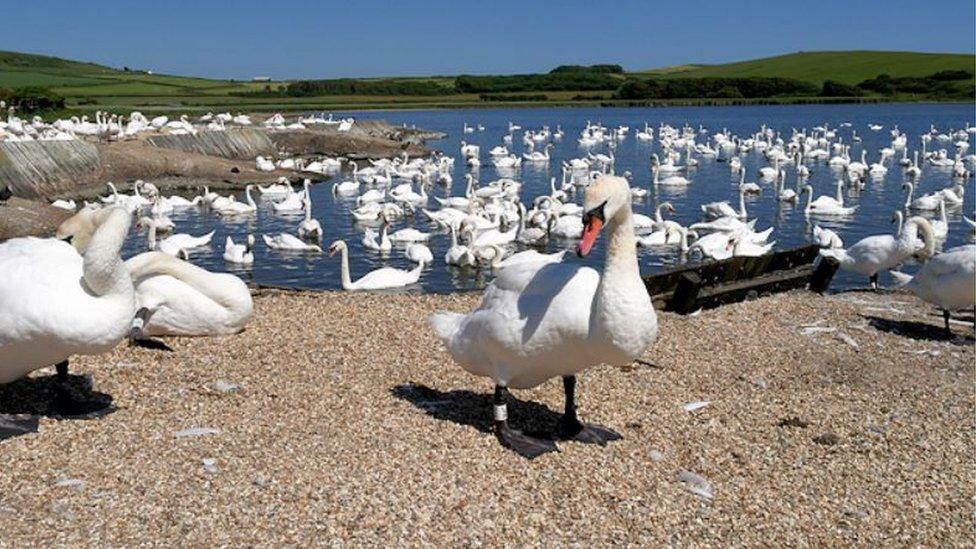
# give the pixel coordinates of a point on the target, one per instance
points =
(711, 181)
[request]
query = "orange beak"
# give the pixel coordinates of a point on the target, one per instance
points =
(590, 232)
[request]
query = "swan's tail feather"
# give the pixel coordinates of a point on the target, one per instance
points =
(901, 279)
(268, 241)
(445, 324)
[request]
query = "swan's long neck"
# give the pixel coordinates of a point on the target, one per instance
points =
(344, 269)
(742, 202)
(247, 194)
(151, 235)
(161, 264)
(840, 192)
(104, 273)
(621, 259)
(911, 191)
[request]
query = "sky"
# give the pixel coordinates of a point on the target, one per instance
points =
(327, 39)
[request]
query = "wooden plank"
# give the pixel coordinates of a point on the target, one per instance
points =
(685, 295)
(823, 274)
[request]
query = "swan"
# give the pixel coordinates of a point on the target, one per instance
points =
(723, 224)
(660, 237)
(533, 235)
(877, 253)
(55, 303)
(945, 280)
(288, 242)
(182, 299)
(380, 279)
(279, 189)
(567, 226)
(715, 210)
(742, 247)
(384, 244)
(241, 254)
(69, 205)
(293, 202)
(826, 238)
(459, 255)
(409, 235)
(670, 181)
(233, 207)
(172, 244)
(940, 227)
(825, 205)
(309, 229)
(541, 319)
(263, 164)
(769, 172)
(491, 236)
(419, 253)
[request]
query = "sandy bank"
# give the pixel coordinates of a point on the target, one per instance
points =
(831, 421)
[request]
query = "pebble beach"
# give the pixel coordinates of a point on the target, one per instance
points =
(338, 419)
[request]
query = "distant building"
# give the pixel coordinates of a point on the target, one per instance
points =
(261, 79)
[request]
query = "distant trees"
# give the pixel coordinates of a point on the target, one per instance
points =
(553, 81)
(832, 88)
(940, 84)
(31, 99)
(691, 88)
(598, 69)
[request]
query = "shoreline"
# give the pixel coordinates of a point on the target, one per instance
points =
(358, 428)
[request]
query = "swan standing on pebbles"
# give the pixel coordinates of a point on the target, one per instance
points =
(878, 253)
(380, 279)
(55, 303)
(946, 281)
(546, 318)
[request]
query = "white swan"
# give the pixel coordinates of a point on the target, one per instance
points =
(419, 253)
(541, 319)
(233, 207)
(287, 242)
(293, 202)
(715, 210)
(945, 280)
(171, 245)
(825, 205)
(826, 238)
(380, 279)
(183, 299)
(459, 255)
(384, 244)
(309, 228)
(279, 189)
(242, 254)
(671, 180)
(55, 303)
(874, 254)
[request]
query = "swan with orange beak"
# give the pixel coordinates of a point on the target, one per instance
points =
(550, 316)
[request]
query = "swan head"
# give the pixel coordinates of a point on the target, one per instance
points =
(249, 244)
(605, 198)
(336, 247)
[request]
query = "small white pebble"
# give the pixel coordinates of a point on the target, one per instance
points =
(197, 431)
(656, 456)
(697, 405)
(70, 483)
(226, 386)
(696, 484)
(210, 465)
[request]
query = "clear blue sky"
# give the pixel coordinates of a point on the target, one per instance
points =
(288, 39)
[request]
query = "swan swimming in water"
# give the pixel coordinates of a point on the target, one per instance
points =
(545, 318)
(242, 254)
(379, 279)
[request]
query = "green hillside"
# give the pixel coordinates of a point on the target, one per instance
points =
(849, 67)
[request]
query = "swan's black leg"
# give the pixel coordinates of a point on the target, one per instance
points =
(874, 281)
(65, 405)
(138, 338)
(570, 426)
(522, 444)
(948, 330)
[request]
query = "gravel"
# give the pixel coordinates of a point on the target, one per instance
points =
(356, 428)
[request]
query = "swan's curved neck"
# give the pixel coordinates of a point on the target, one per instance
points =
(158, 263)
(621, 258)
(104, 272)
(742, 202)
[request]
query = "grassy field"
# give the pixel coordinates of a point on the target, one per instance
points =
(849, 67)
(88, 86)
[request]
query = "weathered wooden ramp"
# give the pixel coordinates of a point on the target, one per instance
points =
(712, 283)
(45, 168)
(234, 143)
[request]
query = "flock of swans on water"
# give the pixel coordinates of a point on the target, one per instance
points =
(543, 315)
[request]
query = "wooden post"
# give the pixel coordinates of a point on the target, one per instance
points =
(823, 274)
(686, 293)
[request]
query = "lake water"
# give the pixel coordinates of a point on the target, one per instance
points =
(711, 181)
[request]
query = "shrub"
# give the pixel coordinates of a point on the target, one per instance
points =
(31, 99)
(832, 88)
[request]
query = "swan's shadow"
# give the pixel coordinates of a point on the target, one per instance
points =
(475, 409)
(914, 329)
(24, 401)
